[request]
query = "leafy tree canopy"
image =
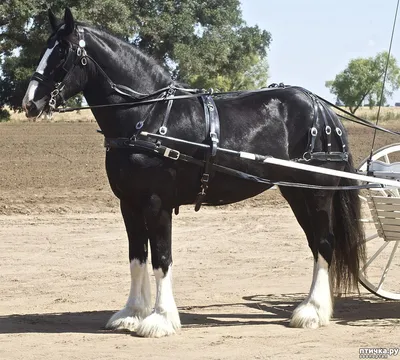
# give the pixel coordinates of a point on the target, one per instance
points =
(361, 81)
(203, 43)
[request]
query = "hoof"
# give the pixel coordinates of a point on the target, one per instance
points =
(158, 325)
(126, 319)
(307, 316)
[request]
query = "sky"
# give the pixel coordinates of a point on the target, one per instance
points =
(314, 40)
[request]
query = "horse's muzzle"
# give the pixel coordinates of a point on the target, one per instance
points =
(34, 108)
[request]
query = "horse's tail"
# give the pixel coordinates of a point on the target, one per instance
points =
(349, 249)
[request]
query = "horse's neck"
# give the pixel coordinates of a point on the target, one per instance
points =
(123, 65)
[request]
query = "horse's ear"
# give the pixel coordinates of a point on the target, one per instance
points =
(53, 20)
(69, 22)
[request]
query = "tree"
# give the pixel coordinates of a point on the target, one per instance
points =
(362, 81)
(203, 43)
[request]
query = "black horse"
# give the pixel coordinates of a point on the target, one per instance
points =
(150, 178)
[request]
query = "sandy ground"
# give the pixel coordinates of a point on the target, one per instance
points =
(236, 282)
(64, 267)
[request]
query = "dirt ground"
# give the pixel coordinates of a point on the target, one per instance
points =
(64, 265)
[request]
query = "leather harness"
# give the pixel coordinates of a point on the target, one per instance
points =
(77, 55)
(212, 135)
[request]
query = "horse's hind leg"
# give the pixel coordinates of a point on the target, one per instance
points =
(138, 305)
(165, 318)
(313, 210)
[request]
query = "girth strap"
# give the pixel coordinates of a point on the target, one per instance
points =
(212, 137)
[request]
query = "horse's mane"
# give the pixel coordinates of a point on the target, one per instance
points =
(128, 51)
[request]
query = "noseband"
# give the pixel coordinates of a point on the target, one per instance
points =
(76, 54)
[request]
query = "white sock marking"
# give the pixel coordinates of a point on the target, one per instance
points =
(165, 318)
(139, 295)
(164, 299)
(138, 305)
(316, 309)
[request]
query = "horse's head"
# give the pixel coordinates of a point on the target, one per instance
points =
(60, 72)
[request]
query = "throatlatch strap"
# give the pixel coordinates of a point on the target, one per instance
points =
(211, 119)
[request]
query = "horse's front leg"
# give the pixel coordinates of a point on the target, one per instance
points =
(165, 317)
(138, 305)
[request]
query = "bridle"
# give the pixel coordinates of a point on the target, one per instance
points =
(75, 55)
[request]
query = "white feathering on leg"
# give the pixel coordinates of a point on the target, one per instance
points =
(138, 305)
(316, 310)
(165, 318)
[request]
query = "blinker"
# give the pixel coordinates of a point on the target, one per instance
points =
(68, 60)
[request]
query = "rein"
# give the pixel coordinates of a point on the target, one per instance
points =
(197, 93)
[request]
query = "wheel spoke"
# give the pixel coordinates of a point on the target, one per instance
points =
(372, 237)
(388, 265)
(375, 255)
(387, 160)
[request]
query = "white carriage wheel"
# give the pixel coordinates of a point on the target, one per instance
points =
(382, 251)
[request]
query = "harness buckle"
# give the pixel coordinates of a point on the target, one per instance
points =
(214, 137)
(205, 179)
(172, 154)
(171, 91)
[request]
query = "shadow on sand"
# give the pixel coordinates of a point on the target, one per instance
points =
(253, 310)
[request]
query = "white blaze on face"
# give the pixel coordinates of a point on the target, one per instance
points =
(30, 92)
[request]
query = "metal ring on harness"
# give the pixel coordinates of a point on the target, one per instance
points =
(139, 125)
(163, 130)
(307, 156)
(339, 132)
(314, 131)
(328, 130)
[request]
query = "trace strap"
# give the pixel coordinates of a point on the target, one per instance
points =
(172, 154)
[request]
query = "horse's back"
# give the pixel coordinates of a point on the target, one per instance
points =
(267, 122)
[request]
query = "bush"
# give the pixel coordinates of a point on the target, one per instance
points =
(4, 115)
